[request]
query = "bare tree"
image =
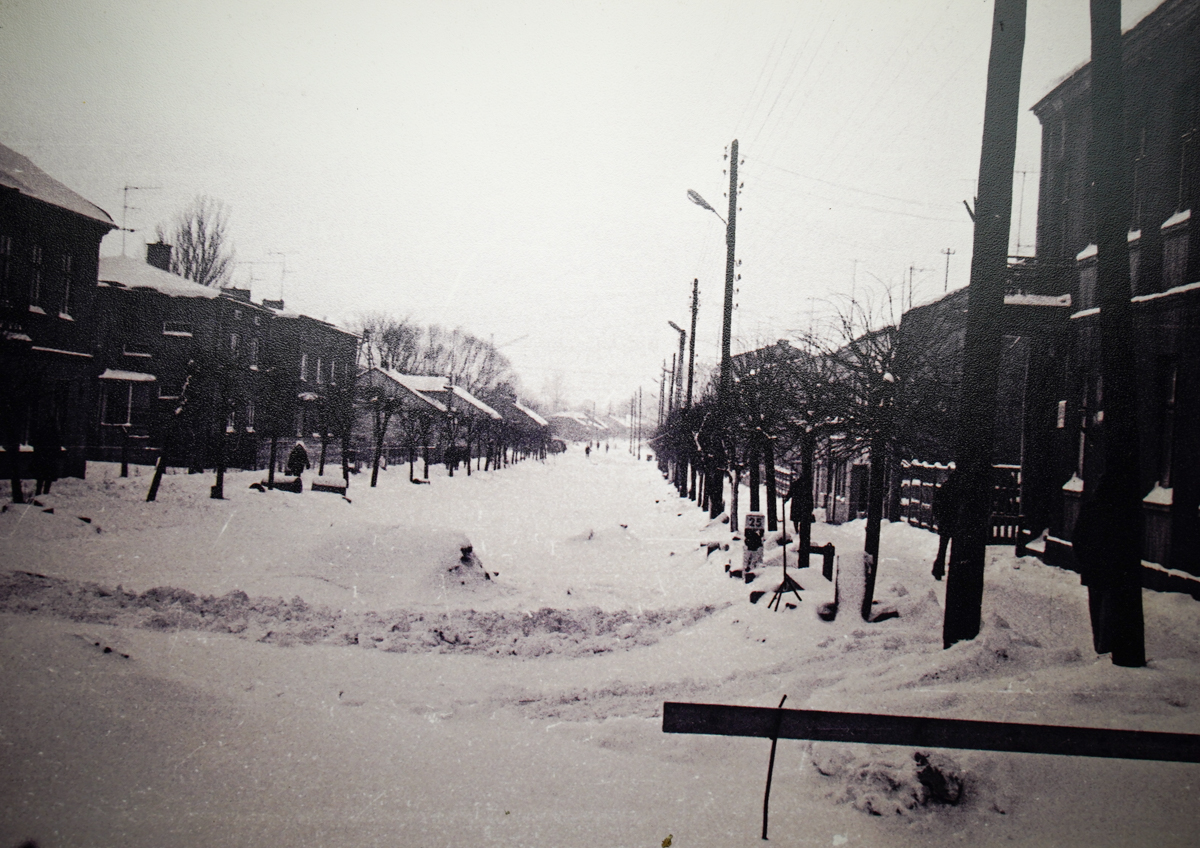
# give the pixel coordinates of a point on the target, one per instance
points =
(199, 236)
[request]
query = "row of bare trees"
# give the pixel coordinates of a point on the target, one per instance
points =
(864, 387)
(408, 347)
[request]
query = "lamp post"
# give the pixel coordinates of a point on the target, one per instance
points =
(725, 385)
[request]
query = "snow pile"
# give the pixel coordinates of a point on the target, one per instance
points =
(510, 638)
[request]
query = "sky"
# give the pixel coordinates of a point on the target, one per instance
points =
(519, 169)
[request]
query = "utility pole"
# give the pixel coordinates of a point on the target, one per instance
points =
(672, 394)
(692, 341)
(283, 272)
(1121, 630)
(662, 392)
(946, 284)
(730, 237)
(985, 302)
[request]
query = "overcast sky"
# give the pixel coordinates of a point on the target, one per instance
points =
(520, 168)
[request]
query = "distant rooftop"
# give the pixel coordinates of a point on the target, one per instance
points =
(17, 172)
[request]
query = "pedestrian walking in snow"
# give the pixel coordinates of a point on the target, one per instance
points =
(47, 445)
(794, 496)
(297, 460)
(587, 451)
(945, 514)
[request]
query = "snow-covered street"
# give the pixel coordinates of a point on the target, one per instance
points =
(483, 661)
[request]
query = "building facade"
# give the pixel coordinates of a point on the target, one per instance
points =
(49, 250)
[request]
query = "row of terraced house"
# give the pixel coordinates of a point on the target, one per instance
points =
(117, 359)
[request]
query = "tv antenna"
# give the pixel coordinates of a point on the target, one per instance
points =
(125, 207)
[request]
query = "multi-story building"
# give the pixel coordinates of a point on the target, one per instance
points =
(1161, 63)
(164, 344)
(49, 248)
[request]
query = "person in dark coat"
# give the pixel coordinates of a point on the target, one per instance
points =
(47, 445)
(1097, 545)
(794, 496)
(297, 460)
(945, 515)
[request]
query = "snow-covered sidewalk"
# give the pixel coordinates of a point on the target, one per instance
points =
(483, 660)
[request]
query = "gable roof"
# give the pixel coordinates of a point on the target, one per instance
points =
(18, 173)
(537, 419)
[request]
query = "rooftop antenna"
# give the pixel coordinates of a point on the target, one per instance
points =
(125, 207)
(283, 273)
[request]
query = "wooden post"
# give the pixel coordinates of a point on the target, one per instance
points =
(985, 302)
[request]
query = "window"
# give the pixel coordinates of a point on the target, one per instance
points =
(65, 266)
(333, 369)
(304, 366)
(233, 343)
(230, 421)
(116, 403)
(237, 315)
(250, 416)
(1168, 374)
(252, 352)
(137, 350)
(177, 329)
(35, 277)
(320, 374)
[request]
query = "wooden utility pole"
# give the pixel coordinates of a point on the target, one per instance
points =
(1119, 590)
(985, 302)
(687, 404)
(730, 237)
(946, 283)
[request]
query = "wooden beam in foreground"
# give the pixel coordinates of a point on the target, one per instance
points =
(919, 732)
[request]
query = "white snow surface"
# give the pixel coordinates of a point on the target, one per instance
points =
(483, 661)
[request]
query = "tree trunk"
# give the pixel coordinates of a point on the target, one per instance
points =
(218, 490)
(274, 458)
(768, 453)
(735, 479)
(380, 432)
(805, 507)
(755, 462)
(875, 492)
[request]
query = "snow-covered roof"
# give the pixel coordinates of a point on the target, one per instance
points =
(537, 419)
(1087, 253)
(476, 402)
(127, 376)
(420, 382)
(128, 273)
(1133, 235)
(408, 383)
(19, 173)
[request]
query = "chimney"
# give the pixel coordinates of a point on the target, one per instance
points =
(237, 294)
(277, 305)
(159, 255)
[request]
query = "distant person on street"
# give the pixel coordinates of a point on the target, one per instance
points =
(945, 514)
(587, 451)
(794, 496)
(297, 460)
(47, 445)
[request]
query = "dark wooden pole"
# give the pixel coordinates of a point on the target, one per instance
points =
(985, 300)
(1125, 627)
